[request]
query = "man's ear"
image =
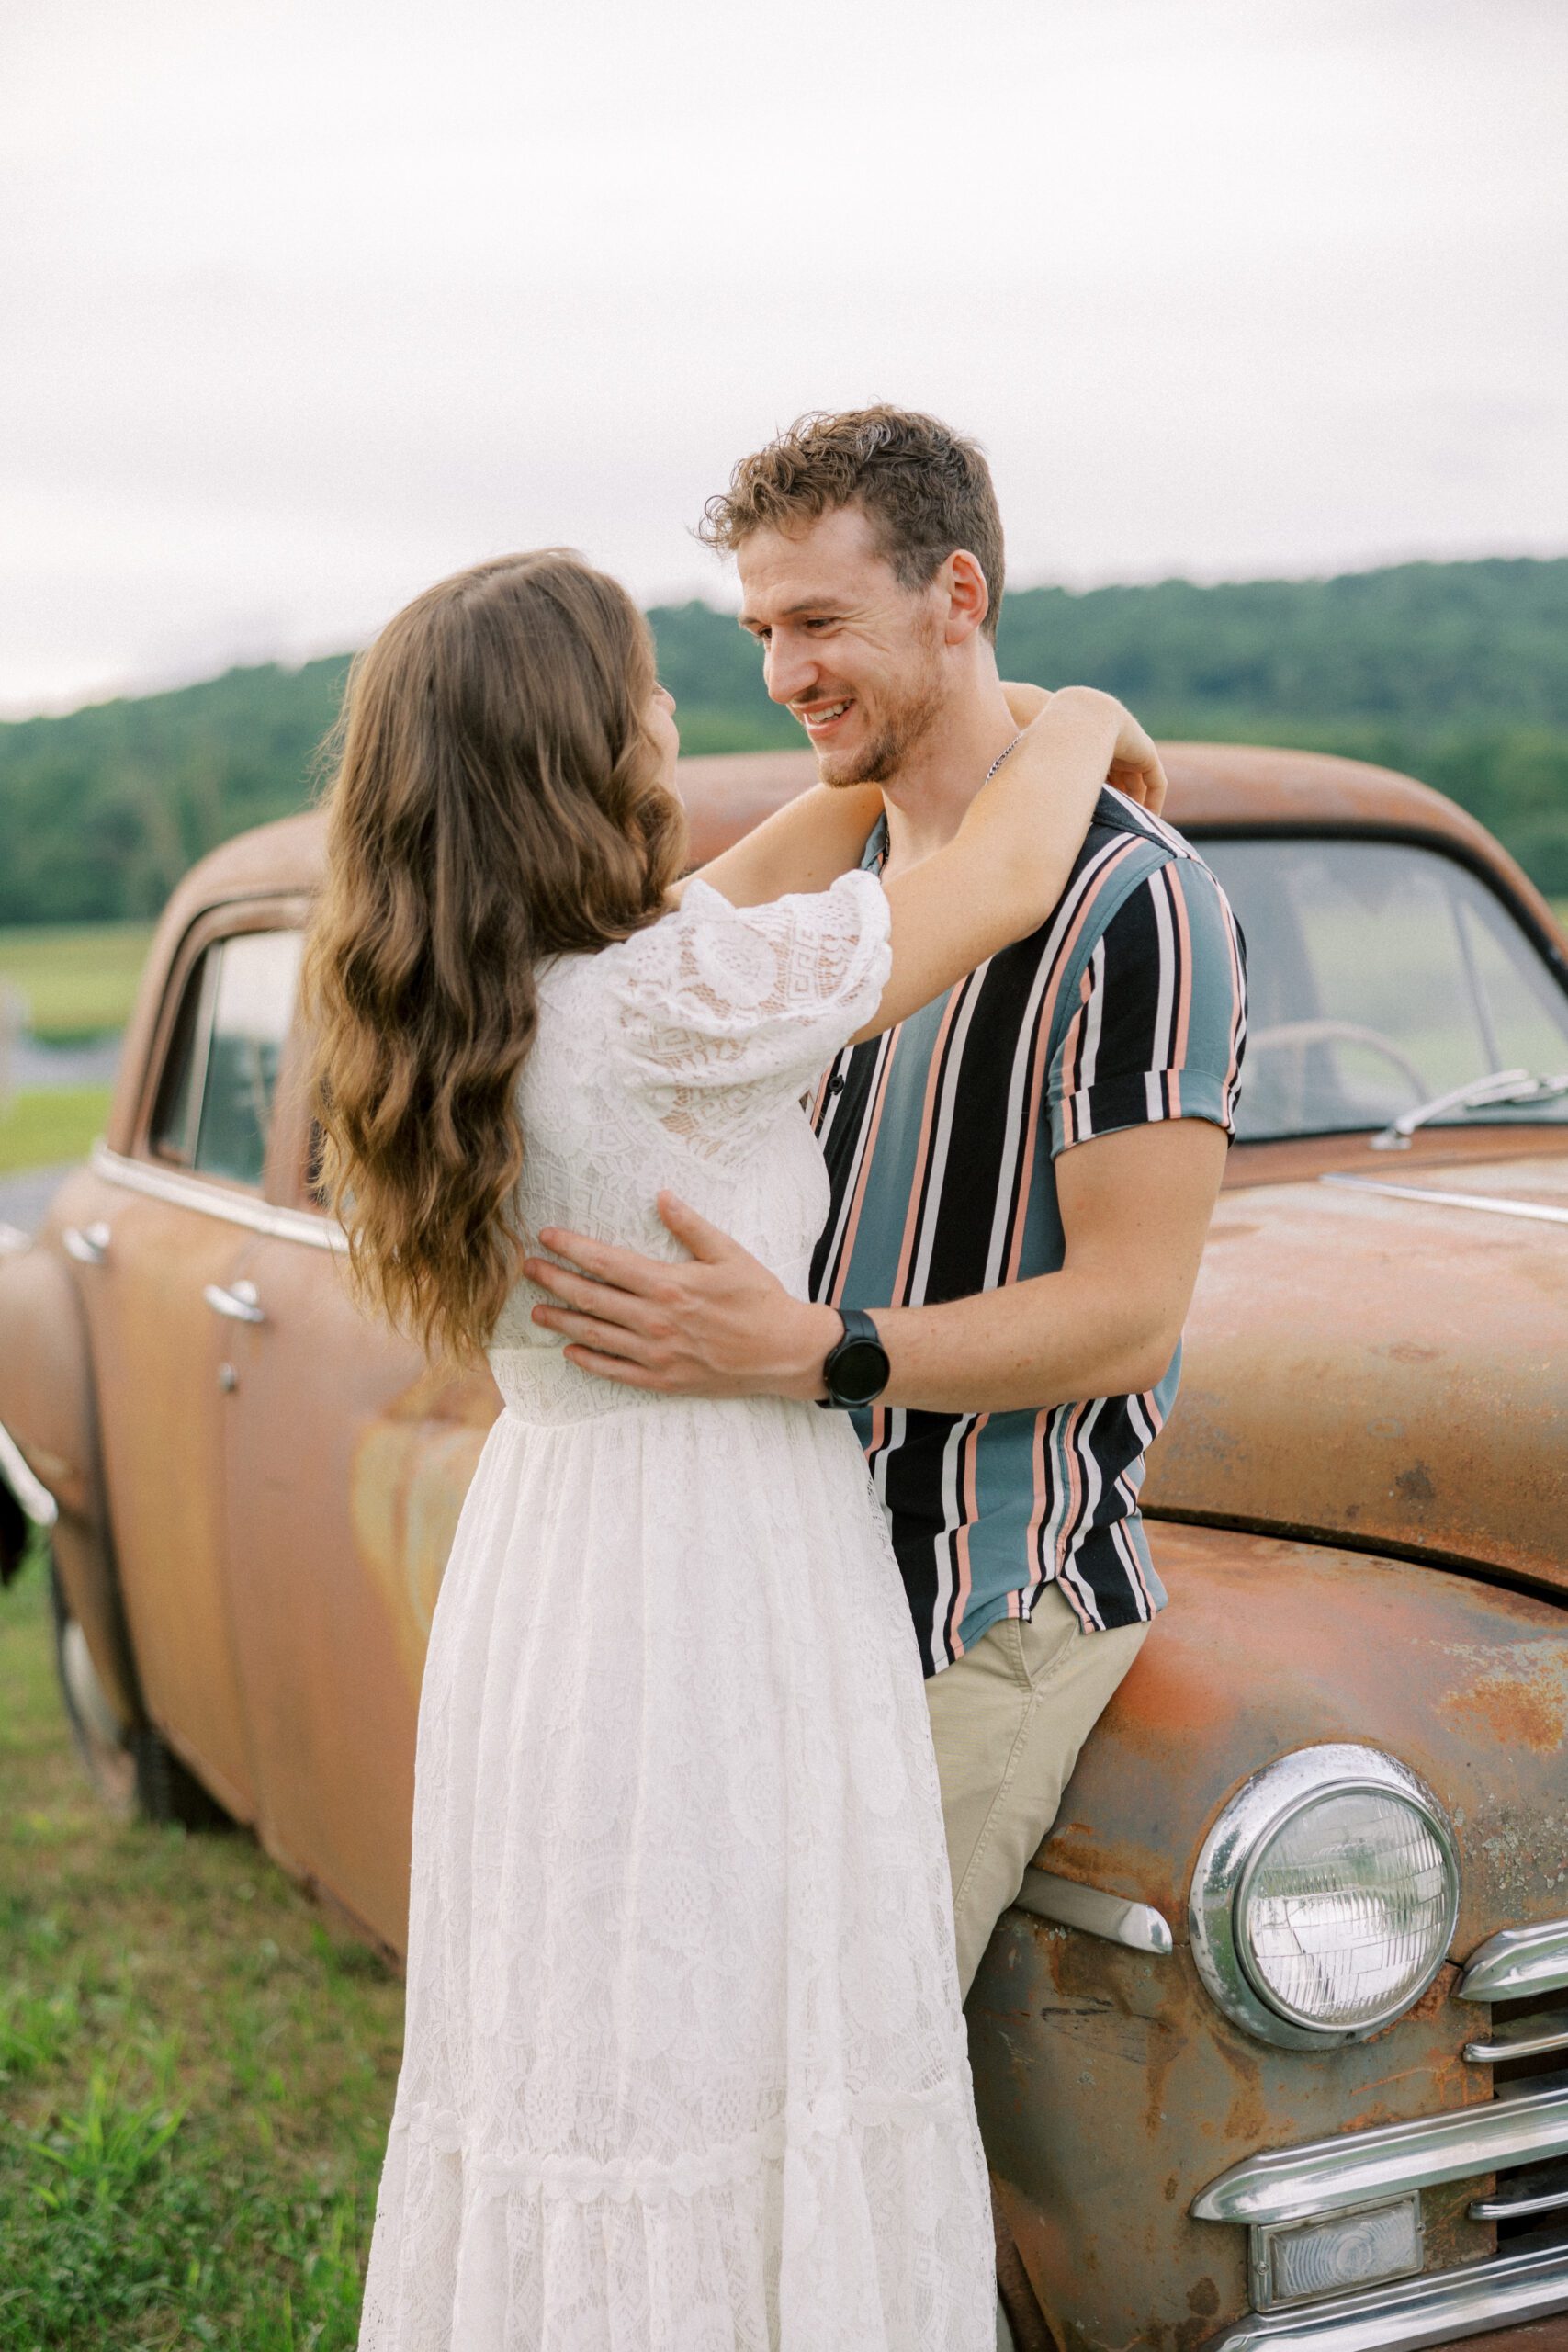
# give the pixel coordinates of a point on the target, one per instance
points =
(968, 599)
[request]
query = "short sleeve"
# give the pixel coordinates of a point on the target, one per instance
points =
(1159, 1024)
(721, 1011)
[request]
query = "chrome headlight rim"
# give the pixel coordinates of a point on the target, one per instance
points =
(1234, 1849)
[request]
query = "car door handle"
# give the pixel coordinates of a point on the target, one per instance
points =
(239, 1301)
(88, 1245)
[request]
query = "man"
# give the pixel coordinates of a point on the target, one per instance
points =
(1022, 1173)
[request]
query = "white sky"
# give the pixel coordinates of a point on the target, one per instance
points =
(302, 305)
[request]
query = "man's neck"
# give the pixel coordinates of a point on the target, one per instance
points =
(927, 801)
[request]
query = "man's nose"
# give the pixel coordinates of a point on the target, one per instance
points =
(788, 671)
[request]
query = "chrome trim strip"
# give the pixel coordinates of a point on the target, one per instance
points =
(1136, 1925)
(1536, 1211)
(1521, 2038)
(1216, 1899)
(34, 1497)
(1543, 2192)
(182, 1192)
(1435, 2310)
(1517, 1962)
(1359, 2167)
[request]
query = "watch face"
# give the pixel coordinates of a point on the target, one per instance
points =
(860, 1372)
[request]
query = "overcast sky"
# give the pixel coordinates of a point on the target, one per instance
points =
(304, 305)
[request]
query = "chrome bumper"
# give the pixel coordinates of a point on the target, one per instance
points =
(1331, 2176)
(34, 1497)
(1520, 2134)
(1418, 2311)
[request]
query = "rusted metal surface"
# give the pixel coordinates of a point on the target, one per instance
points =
(1463, 1682)
(1110, 2084)
(157, 1348)
(1298, 1159)
(1111, 2093)
(1383, 1370)
(1539, 2336)
(346, 1462)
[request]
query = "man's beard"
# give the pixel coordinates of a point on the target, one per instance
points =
(879, 761)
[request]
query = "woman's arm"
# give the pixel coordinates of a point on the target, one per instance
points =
(804, 845)
(1009, 863)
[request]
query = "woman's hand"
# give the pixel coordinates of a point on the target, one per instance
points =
(1135, 768)
(1134, 765)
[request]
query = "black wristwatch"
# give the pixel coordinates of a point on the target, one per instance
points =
(857, 1370)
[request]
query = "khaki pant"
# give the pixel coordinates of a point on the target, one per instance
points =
(1009, 1718)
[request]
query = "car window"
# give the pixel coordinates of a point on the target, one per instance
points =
(1379, 975)
(214, 1106)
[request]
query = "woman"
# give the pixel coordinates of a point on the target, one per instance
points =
(684, 2064)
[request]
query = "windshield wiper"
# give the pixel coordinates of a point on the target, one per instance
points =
(1504, 1086)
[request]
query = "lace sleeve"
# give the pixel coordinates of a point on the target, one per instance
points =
(722, 1014)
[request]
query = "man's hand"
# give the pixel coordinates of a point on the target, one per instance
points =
(716, 1324)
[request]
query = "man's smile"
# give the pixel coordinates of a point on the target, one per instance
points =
(820, 718)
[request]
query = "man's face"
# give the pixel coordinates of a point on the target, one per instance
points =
(855, 654)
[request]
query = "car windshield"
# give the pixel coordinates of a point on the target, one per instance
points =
(1380, 977)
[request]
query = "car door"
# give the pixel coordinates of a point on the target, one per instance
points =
(161, 1270)
(346, 1461)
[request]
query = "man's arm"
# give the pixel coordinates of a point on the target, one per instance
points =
(1135, 1205)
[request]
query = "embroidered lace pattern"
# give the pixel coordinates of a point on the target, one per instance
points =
(684, 2067)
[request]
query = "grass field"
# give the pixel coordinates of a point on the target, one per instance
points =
(58, 1124)
(196, 2072)
(79, 979)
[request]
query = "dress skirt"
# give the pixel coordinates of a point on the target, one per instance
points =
(684, 2066)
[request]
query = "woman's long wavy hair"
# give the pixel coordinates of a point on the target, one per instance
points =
(496, 800)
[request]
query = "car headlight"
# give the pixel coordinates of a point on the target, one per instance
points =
(1325, 1897)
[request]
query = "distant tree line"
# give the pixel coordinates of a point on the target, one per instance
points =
(1455, 672)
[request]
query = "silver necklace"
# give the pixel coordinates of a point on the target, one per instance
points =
(1002, 755)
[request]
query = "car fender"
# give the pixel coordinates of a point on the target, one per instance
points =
(48, 1410)
(1111, 2087)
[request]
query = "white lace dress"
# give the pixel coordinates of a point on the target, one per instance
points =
(684, 2066)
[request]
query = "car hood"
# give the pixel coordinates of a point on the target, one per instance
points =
(1381, 1356)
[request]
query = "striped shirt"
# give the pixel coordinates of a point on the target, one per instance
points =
(1127, 1006)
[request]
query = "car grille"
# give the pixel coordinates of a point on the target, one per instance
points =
(1528, 2204)
(1508, 2158)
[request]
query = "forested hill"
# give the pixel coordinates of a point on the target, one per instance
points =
(1457, 672)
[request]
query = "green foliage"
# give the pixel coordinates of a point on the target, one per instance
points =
(1457, 672)
(101, 813)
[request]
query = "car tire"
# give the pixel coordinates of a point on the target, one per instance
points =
(131, 1768)
(166, 1791)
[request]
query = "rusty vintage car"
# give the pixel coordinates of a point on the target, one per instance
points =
(1273, 2051)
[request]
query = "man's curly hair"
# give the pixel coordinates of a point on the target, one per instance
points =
(925, 489)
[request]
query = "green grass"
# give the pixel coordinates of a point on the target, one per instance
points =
(38, 1129)
(196, 2072)
(79, 979)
